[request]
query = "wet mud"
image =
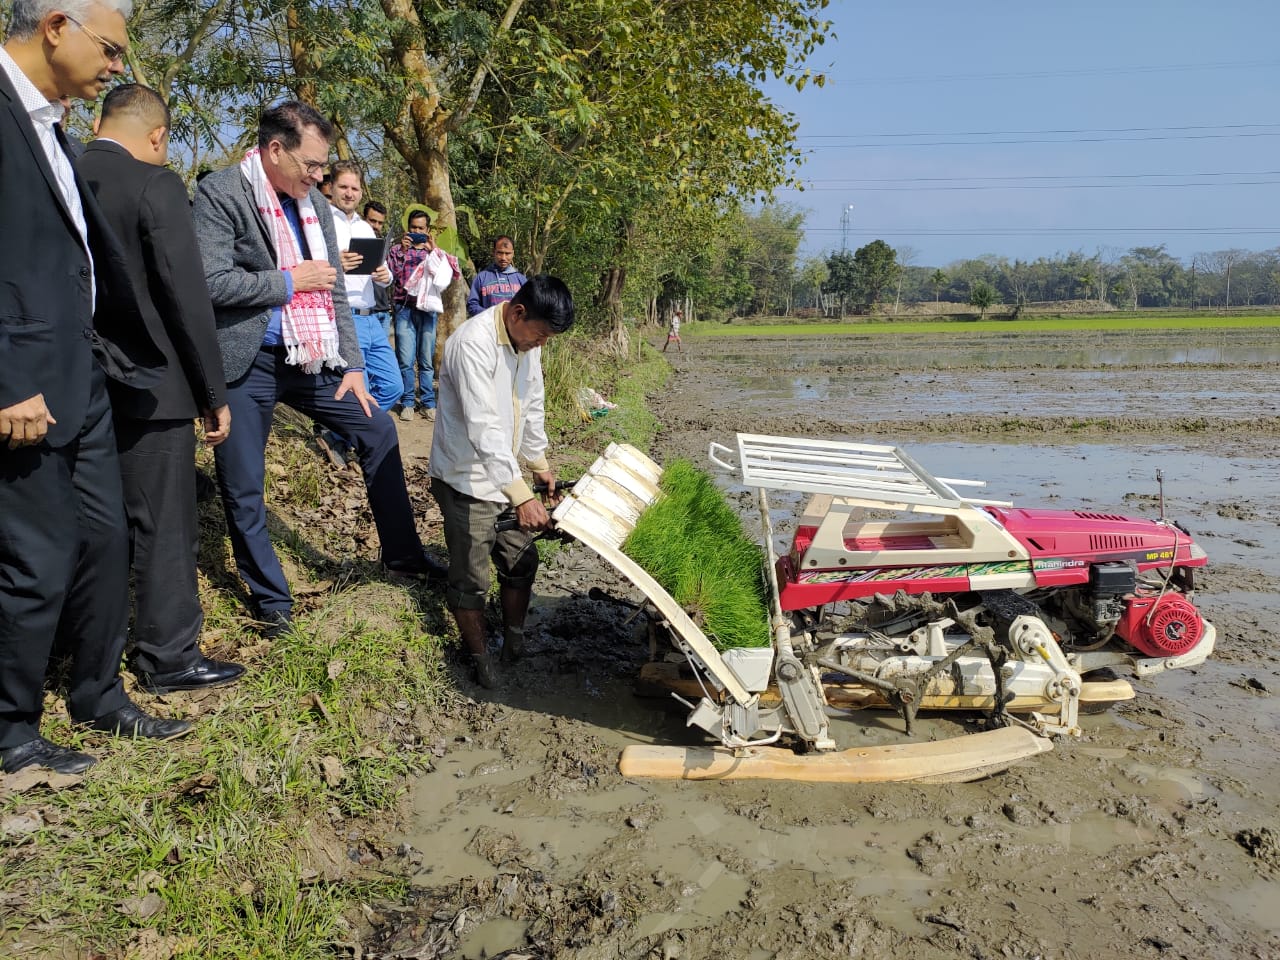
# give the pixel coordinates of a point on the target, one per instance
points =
(1156, 834)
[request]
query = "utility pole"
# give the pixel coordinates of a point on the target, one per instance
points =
(845, 216)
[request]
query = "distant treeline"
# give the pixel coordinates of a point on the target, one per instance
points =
(766, 277)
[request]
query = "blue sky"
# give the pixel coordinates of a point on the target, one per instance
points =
(1152, 91)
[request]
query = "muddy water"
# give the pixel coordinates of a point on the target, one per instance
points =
(1154, 835)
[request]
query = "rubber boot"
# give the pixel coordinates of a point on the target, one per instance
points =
(512, 644)
(486, 672)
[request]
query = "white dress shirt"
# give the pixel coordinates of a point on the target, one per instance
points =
(359, 285)
(44, 113)
(490, 414)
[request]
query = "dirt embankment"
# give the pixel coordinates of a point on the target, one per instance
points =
(1154, 835)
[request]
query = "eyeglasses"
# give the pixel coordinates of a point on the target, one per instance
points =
(312, 167)
(112, 51)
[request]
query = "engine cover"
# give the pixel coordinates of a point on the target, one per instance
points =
(1165, 626)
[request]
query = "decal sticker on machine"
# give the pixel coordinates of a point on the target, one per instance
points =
(950, 571)
(1057, 563)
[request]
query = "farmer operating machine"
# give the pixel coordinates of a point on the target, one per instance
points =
(900, 591)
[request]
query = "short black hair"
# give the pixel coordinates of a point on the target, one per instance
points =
(374, 205)
(547, 298)
(133, 99)
(418, 215)
(286, 121)
(498, 240)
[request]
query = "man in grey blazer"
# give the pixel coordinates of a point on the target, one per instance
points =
(286, 335)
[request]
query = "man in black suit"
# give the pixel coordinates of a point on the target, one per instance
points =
(64, 551)
(146, 204)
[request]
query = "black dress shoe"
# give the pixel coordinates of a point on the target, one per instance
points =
(421, 567)
(275, 623)
(204, 673)
(41, 753)
(129, 721)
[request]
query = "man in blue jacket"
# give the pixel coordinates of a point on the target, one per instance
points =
(498, 282)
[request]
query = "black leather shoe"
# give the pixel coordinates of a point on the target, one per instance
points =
(129, 721)
(203, 674)
(275, 623)
(41, 753)
(421, 567)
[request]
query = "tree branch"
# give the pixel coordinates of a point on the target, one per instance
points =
(194, 39)
(482, 70)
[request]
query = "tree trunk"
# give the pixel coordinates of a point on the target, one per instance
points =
(301, 52)
(609, 297)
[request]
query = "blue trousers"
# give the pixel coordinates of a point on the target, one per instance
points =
(381, 369)
(241, 465)
(416, 344)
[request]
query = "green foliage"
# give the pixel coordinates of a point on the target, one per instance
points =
(564, 123)
(842, 277)
(691, 542)
(982, 295)
(939, 280)
(876, 267)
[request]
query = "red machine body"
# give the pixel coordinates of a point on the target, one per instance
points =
(1052, 548)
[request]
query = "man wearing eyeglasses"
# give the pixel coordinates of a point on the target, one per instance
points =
(273, 265)
(69, 320)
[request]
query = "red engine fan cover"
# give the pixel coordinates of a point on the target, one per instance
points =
(1174, 628)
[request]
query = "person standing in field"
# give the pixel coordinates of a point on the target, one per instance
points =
(272, 263)
(415, 329)
(146, 204)
(382, 372)
(491, 423)
(498, 282)
(69, 322)
(673, 331)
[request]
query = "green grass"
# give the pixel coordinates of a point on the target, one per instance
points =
(1051, 324)
(628, 382)
(691, 542)
(238, 829)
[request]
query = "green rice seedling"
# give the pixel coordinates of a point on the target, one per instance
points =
(691, 541)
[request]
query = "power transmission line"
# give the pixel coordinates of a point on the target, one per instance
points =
(988, 143)
(1019, 133)
(1055, 231)
(1045, 176)
(1054, 74)
(1027, 186)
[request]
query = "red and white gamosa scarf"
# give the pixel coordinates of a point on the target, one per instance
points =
(307, 322)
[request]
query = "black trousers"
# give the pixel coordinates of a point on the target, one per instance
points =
(158, 471)
(241, 467)
(64, 573)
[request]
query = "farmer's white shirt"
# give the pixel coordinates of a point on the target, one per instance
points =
(360, 294)
(490, 413)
